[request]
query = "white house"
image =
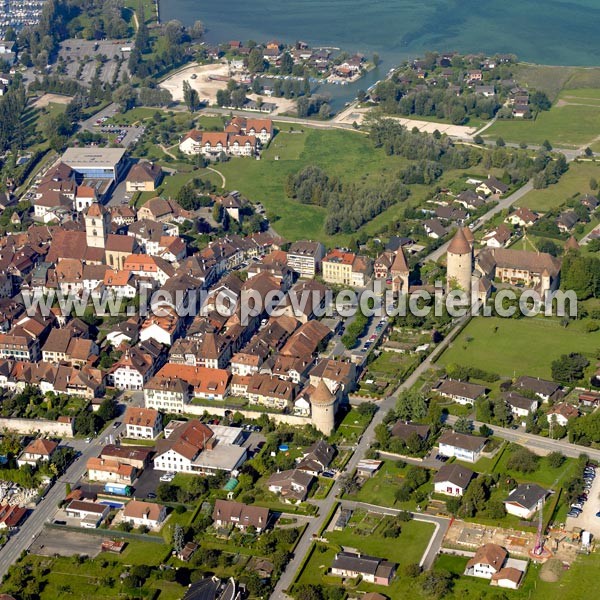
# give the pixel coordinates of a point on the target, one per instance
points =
(147, 514)
(520, 406)
(462, 446)
(452, 479)
(562, 412)
(142, 423)
(525, 500)
(459, 391)
(39, 449)
(488, 560)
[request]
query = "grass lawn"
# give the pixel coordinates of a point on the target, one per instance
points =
(572, 121)
(348, 155)
(494, 343)
(576, 179)
(351, 427)
(381, 488)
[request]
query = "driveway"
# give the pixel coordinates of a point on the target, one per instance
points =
(147, 482)
(587, 520)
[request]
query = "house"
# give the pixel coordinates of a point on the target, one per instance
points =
(144, 514)
(406, 431)
(488, 560)
(135, 456)
(497, 237)
(462, 446)
(542, 388)
(522, 217)
(159, 209)
(567, 220)
(143, 177)
(133, 369)
(525, 500)
(434, 229)
(305, 257)
(38, 450)
(562, 413)
(142, 423)
(520, 406)
(242, 516)
(372, 569)
(492, 186)
(110, 470)
(589, 398)
(346, 268)
(292, 485)
(11, 516)
(317, 458)
(452, 479)
(508, 577)
(90, 514)
(462, 392)
(590, 202)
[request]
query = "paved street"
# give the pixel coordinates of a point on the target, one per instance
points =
(536, 443)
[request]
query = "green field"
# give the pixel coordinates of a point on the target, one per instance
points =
(573, 121)
(348, 155)
(576, 179)
(524, 346)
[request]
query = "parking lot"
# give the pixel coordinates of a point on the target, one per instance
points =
(587, 520)
(65, 543)
(147, 483)
(75, 51)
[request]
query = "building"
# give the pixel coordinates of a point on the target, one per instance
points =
(537, 270)
(459, 261)
(90, 514)
(317, 458)
(508, 577)
(492, 186)
(542, 388)
(346, 268)
(562, 413)
(143, 177)
(488, 560)
(462, 446)
(452, 479)
(525, 500)
(192, 447)
(96, 162)
(110, 470)
(520, 406)
(305, 257)
(461, 392)
(142, 423)
(323, 406)
(372, 569)
(522, 217)
(292, 485)
(38, 450)
(144, 514)
(229, 513)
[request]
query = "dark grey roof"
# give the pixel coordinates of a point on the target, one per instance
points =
(527, 495)
(360, 563)
(454, 473)
(537, 385)
(518, 401)
(404, 430)
(461, 440)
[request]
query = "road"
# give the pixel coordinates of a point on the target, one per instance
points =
(46, 509)
(536, 443)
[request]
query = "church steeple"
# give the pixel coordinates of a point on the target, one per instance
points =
(97, 225)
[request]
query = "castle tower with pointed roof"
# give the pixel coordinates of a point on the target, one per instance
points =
(323, 405)
(459, 262)
(97, 225)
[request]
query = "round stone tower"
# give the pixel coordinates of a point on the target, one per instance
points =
(459, 262)
(323, 405)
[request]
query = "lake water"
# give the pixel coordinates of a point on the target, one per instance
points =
(541, 31)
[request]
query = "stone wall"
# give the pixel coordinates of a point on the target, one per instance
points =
(34, 426)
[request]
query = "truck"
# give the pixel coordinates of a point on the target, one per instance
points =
(118, 489)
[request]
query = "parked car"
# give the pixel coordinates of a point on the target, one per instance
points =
(151, 495)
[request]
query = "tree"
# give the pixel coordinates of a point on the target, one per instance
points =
(178, 538)
(540, 101)
(190, 97)
(569, 367)
(376, 59)
(436, 583)
(256, 61)
(125, 96)
(500, 142)
(593, 183)
(523, 460)
(463, 425)
(555, 459)
(547, 145)
(287, 64)
(382, 435)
